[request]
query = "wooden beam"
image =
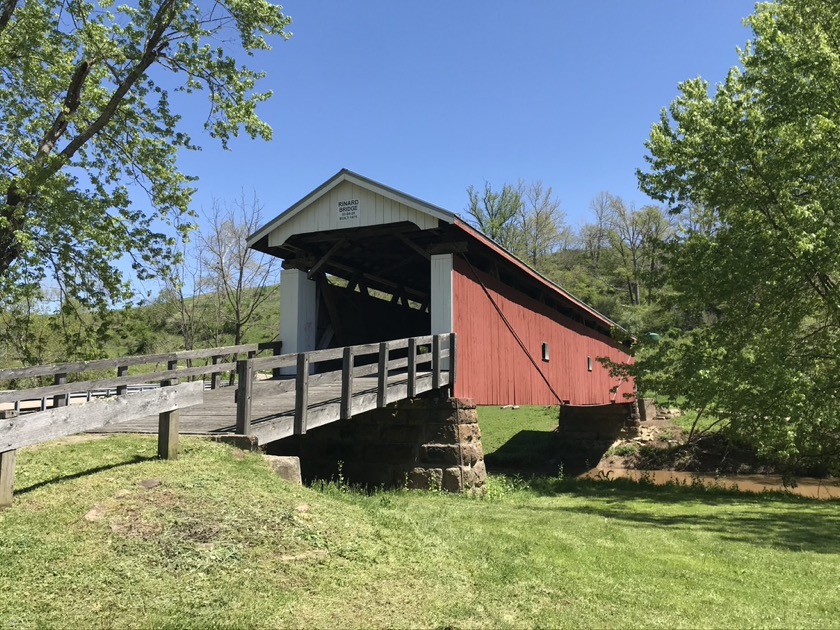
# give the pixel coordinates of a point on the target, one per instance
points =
(169, 422)
(326, 257)
(122, 370)
(414, 246)
(436, 362)
(412, 367)
(301, 393)
(110, 364)
(51, 424)
(304, 263)
(60, 400)
(82, 386)
(215, 377)
(453, 362)
(332, 309)
(459, 247)
(244, 371)
(378, 282)
(7, 477)
(353, 282)
(347, 384)
(382, 380)
(359, 234)
(169, 427)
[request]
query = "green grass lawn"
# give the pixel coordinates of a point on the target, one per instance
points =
(223, 542)
(522, 439)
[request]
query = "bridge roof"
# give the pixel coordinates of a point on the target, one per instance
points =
(312, 230)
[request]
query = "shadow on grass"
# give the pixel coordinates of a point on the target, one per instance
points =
(527, 453)
(770, 519)
(531, 453)
(136, 459)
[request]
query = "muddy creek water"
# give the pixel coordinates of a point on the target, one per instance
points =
(805, 486)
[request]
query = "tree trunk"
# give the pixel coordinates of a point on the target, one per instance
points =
(13, 212)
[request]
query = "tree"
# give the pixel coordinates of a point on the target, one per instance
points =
(241, 277)
(182, 295)
(496, 213)
(523, 218)
(593, 236)
(542, 224)
(760, 161)
(87, 124)
(637, 237)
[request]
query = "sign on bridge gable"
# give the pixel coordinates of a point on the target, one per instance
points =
(348, 212)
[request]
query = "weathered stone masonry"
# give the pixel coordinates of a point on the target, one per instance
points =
(587, 432)
(420, 442)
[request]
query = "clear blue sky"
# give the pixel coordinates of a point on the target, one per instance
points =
(430, 97)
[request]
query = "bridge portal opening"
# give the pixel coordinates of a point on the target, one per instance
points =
(363, 285)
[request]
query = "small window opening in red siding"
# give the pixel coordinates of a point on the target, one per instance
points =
(546, 350)
(589, 363)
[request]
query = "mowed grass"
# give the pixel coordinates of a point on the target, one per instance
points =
(222, 542)
(521, 439)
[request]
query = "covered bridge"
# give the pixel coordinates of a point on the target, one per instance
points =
(366, 263)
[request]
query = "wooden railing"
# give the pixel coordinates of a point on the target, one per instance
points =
(61, 389)
(42, 426)
(432, 351)
(402, 369)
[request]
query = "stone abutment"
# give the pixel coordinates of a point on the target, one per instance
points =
(419, 443)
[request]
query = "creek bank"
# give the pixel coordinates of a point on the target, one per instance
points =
(661, 446)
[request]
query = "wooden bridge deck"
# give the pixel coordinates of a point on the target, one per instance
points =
(273, 412)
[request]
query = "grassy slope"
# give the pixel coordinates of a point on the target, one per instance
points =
(222, 542)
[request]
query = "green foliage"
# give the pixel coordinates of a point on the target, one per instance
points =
(89, 140)
(624, 450)
(756, 270)
(616, 264)
(495, 214)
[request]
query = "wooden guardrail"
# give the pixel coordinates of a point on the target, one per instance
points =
(436, 352)
(402, 368)
(19, 431)
(61, 389)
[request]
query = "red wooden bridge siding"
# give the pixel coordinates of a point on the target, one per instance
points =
(494, 370)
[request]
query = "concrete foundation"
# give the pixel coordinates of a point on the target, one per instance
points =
(421, 443)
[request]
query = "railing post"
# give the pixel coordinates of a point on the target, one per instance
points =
(301, 393)
(382, 381)
(215, 377)
(436, 362)
(7, 477)
(412, 367)
(122, 370)
(453, 361)
(276, 373)
(170, 365)
(347, 384)
(245, 373)
(169, 423)
(60, 400)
